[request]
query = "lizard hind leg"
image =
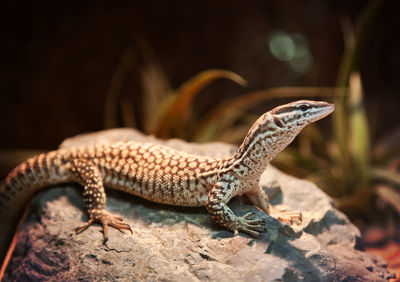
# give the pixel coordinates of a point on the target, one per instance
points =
(95, 199)
(258, 197)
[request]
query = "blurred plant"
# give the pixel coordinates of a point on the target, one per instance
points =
(167, 112)
(351, 171)
(346, 167)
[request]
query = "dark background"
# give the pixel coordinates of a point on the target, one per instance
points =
(57, 58)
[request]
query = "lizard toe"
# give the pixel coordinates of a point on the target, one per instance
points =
(84, 226)
(253, 226)
(105, 219)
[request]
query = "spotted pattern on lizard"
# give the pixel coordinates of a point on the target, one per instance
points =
(164, 175)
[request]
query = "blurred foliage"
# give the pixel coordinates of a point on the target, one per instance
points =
(345, 167)
(351, 171)
(167, 112)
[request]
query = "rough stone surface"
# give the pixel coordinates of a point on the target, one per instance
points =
(175, 243)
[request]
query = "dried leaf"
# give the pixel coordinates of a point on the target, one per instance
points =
(388, 146)
(389, 196)
(151, 76)
(178, 112)
(155, 87)
(386, 175)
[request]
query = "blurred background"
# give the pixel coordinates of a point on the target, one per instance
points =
(205, 71)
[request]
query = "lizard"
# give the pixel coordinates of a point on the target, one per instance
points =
(163, 175)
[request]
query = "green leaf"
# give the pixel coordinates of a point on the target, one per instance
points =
(353, 49)
(359, 132)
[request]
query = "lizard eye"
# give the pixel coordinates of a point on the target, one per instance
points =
(303, 108)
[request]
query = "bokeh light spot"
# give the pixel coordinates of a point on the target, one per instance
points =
(291, 48)
(282, 46)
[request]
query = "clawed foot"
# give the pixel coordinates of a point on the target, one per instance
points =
(285, 216)
(249, 226)
(105, 219)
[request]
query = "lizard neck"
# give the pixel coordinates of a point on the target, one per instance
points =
(265, 139)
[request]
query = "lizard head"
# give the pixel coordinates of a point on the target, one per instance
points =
(275, 129)
(300, 113)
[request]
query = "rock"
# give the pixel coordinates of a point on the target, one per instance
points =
(175, 243)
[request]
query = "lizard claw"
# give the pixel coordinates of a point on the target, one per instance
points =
(249, 214)
(252, 227)
(105, 219)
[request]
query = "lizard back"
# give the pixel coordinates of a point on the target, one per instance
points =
(157, 173)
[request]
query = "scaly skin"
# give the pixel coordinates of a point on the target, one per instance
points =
(164, 175)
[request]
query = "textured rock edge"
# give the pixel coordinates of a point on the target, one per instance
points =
(173, 243)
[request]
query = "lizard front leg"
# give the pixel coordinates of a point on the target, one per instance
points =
(216, 206)
(258, 197)
(94, 197)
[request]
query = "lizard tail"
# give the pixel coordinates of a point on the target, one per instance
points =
(20, 185)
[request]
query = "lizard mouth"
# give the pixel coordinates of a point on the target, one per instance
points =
(323, 110)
